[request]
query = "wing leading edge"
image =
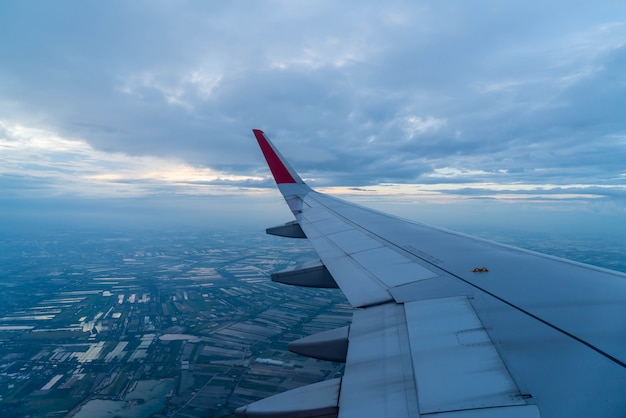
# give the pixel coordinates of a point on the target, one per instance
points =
(447, 325)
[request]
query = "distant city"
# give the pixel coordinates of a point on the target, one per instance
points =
(170, 323)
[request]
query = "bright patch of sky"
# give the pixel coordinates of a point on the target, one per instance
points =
(440, 101)
(59, 167)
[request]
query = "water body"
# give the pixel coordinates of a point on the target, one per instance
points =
(148, 397)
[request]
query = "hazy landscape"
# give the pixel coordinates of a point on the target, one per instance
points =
(129, 324)
(174, 322)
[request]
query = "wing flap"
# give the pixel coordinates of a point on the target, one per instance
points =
(423, 358)
(378, 379)
(455, 358)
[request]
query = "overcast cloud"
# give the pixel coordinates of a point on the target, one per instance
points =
(157, 98)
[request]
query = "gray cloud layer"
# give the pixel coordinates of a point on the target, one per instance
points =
(355, 93)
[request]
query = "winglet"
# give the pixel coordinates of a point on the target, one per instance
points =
(281, 170)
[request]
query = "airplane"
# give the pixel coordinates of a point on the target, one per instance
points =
(446, 325)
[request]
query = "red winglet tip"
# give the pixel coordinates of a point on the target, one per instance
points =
(277, 167)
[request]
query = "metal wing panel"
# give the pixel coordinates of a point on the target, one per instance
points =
(353, 241)
(427, 357)
(359, 287)
(549, 289)
(454, 357)
(337, 241)
(321, 228)
(355, 256)
(392, 268)
(378, 379)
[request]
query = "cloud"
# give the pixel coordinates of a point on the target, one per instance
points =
(178, 90)
(38, 161)
(162, 95)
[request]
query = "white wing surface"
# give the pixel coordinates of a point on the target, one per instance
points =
(447, 325)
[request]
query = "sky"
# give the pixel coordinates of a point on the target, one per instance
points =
(451, 112)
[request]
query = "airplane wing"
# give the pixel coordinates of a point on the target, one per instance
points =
(446, 325)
